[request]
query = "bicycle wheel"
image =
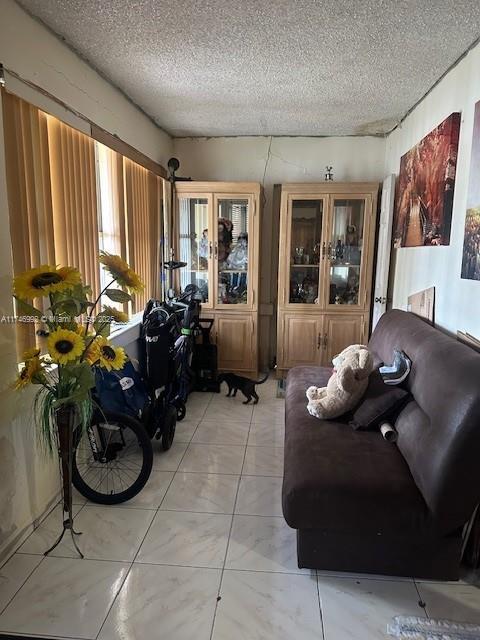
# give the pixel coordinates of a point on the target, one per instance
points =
(113, 459)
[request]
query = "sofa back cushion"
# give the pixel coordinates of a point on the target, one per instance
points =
(439, 431)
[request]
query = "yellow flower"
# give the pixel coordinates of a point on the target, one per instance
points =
(44, 280)
(113, 315)
(121, 272)
(81, 329)
(31, 372)
(65, 345)
(29, 354)
(108, 356)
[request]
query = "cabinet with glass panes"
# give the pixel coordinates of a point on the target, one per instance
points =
(218, 237)
(326, 248)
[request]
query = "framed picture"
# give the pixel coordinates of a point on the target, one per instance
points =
(425, 188)
(471, 242)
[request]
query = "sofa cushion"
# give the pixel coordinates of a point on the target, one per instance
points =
(380, 402)
(339, 479)
(438, 433)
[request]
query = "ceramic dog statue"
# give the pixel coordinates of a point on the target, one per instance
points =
(345, 387)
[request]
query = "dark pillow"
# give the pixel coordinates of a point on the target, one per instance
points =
(380, 402)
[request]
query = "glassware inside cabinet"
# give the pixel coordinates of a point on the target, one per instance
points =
(195, 244)
(305, 251)
(232, 250)
(345, 251)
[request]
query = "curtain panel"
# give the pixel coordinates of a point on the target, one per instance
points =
(29, 194)
(143, 198)
(55, 202)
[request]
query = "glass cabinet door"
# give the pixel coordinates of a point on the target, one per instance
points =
(195, 243)
(232, 250)
(306, 224)
(345, 251)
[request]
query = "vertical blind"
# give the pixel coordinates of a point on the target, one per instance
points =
(55, 203)
(74, 200)
(142, 199)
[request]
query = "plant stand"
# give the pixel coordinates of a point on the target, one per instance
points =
(65, 419)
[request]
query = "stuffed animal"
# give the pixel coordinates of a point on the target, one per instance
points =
(345, 387)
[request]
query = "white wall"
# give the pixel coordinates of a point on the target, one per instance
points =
(416, 268)
(33, 52)
(289, 160)
(28, 478)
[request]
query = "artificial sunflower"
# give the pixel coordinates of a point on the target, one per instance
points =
(31, 372)
(29, 354)
(108, 356)
(84, 330)
(65, 345)
(115, 315)
(121, 272)
(44, 280)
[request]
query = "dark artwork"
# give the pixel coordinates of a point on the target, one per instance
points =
(425, 187)
(471, 243)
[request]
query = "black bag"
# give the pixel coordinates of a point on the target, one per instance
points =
(121, 391)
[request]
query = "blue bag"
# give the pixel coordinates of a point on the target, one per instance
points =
(121, 391)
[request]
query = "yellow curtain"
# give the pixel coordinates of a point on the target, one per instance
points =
(74, 200)
(142, 216)
(29, 193)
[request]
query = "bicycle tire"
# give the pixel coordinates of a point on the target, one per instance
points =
(138, 474)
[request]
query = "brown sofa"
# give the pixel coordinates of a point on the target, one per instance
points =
(362, 504)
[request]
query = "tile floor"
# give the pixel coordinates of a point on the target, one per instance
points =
(203, 552)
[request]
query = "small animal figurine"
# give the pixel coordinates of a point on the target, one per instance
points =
(245, 385)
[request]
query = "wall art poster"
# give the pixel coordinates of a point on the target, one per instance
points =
(471, 242)
(425, 188)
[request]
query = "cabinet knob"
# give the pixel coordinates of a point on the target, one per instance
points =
(210, 249)
(382, 300)
(324, 249)
(319, 340)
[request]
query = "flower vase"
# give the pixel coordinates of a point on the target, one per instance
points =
(64, 418)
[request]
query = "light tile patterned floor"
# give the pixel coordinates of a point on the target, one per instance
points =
(203, 552)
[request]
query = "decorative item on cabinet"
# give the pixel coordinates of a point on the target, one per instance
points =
(226, 218)
(324, 299)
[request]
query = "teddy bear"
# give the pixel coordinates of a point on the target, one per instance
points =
(346, 385)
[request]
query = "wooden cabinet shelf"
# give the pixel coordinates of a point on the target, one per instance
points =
(218, 236)
(324, 305)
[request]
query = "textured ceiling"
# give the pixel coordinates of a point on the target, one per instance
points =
(268, 67)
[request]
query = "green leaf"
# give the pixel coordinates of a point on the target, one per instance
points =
(80, 379)
(26, 309)
(117, 295)
(101, 327)
(68, 307)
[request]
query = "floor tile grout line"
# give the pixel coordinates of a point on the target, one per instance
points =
(320, 606)
(2, 611)
(420, 599)
(42, 556)
(229, 534)
(138, 551)
(86, 503)
(147, 532)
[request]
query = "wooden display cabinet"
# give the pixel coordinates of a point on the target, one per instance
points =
(327, 235)
(218, 236)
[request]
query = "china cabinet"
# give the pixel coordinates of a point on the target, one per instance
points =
(327, 236)
(218, 236)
